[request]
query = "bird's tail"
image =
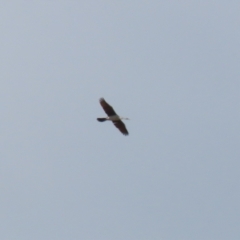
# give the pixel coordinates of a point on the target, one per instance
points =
(101, 119)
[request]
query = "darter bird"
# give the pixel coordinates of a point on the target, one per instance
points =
(112, 116)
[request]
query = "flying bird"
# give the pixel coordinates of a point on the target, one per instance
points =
(112, 116)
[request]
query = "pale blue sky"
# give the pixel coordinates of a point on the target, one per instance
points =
(172, 67)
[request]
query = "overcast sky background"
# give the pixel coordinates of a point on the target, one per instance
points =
(172, 67)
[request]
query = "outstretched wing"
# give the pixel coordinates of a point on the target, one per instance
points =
(106, 107)
(121, 126)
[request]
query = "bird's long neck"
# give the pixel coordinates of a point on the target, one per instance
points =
(124, 118)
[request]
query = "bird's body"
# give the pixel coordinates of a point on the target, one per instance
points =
(112, 116)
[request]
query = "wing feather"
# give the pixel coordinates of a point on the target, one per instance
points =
(107, 108)
(121, 126)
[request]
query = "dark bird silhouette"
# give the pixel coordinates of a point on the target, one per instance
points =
(112, 116)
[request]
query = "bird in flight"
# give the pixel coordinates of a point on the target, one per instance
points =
(112, 116)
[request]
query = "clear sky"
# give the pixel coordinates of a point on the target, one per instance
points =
(172, 67)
